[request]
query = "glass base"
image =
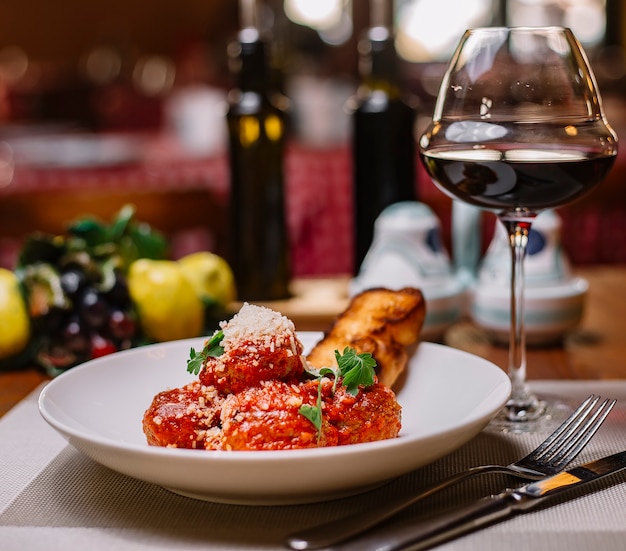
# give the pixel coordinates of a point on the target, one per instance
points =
(534, 416)
(522, 412)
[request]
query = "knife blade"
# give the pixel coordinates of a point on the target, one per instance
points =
(442, 528)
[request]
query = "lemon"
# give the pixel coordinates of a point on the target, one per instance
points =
(14, 319)
(166, 302)
(210, 275)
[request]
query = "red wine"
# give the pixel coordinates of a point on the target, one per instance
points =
(505, 179)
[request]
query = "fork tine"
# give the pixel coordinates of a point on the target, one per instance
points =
(564, 431)
(582, 438)
(572, 436)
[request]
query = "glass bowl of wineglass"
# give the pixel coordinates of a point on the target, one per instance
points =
(518, 127)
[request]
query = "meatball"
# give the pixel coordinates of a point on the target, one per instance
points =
(373, 414)
(259, 345)
(183, 417)
(267, 417)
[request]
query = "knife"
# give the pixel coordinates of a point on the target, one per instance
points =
(485, 511)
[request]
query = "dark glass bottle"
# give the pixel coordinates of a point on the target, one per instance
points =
(256, 125)
(383, 142)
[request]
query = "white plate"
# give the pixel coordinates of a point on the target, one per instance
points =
(448, 397)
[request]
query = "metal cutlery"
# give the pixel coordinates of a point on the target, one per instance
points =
(549, 458)
(485, 511)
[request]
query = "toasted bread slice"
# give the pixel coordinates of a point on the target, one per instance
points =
(380, 321)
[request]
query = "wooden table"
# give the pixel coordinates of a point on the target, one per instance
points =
(596, 350)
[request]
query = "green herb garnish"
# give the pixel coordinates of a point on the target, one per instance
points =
(314, 413)
(212, 349)
(354, 369)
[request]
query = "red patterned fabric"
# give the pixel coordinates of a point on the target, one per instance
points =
(319, 204)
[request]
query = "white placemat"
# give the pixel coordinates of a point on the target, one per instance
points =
(54, 498)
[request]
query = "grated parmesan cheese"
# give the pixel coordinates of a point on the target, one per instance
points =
(261, 325)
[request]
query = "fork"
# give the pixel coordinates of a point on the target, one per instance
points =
(549, 458)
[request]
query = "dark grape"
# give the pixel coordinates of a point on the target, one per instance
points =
(73, 281)
(75, 339)
(94, 309)
(122, 325)
(118, 294)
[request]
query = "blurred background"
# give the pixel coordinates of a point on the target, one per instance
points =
(80, 62)
(102, 104)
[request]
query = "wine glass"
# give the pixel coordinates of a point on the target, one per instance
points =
(518, 127)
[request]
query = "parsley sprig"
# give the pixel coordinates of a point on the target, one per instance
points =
(354, 370)
(212, 349)
(314, 413)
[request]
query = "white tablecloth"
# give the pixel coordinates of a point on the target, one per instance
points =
(54, 498)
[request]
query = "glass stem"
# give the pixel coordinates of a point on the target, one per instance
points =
(518, 240)
(522, 405)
